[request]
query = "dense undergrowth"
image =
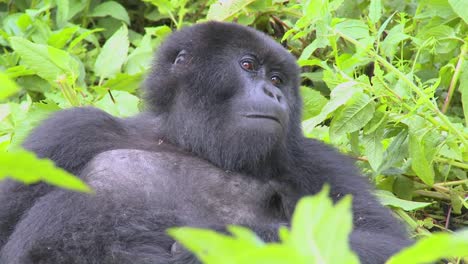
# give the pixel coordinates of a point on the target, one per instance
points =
(384, 81)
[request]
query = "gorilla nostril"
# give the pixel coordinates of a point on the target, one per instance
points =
(278, 97)
(265, 90)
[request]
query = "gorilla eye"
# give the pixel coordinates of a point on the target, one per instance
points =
(276, 80)
(248, 65)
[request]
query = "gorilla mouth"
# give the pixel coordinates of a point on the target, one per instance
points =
(263, 117)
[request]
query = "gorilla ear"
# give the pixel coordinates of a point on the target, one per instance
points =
(181, 57)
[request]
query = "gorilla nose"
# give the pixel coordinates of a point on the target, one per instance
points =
(270, 92)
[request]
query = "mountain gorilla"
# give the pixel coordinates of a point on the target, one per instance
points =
(221, 143)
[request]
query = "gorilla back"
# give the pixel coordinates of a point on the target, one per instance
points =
(219, 144)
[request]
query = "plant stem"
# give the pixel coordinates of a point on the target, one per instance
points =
(455, 77)
(431, 194)
(451, 183)
(453, 163)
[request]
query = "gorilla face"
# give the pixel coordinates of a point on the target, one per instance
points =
(232, 98)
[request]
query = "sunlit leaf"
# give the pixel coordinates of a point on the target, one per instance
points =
(221, 10)
(433, 248)
(389, 199)
(8, 86)
(26, 167)
(355, 115)
(113, 54)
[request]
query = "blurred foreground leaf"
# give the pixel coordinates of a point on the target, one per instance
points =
(24, 166)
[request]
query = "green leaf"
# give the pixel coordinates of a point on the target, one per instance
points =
(423, 145)
(374, 148)
(396, 152)
(223, 10)
(319, 234)
(433, 248)
(124, 82)
(125, 104)
(112, 9)
(320, 230)
(314, 101)
(459, 7)
(113, 54)
(8, 86)
(67, 9)
(389, 199)
(353, 116)
(209, 246)
(394, 37)
(356, 29)
(48, 62)
(338, 96)
(26, 167)
(62, 15)
(375, 11)
(59, 39)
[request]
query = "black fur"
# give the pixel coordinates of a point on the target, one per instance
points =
(219, 144)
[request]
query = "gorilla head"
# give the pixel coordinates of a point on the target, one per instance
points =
(228, 94)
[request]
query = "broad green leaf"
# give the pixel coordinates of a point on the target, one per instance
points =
(353, 28)
(82, 36)
(320, 230)
(307, 52)
(355, 115)
(59, 39)
(164, 6)
(375, 11)
(125, 104)
(313, 102)
(62, 15)
(338, 96)
(245, 234)
(26, 167)
(223, 10)
(18, 71)
(433, 248)
(113, 9)
(8, 86)
(139, 60)
(124, 82)
(48, 62)
(209, 246)
(319, 234)
(374, 148)
(459, 7)
(423, 145)
(387, 198)
(67, 9)
(113, 54)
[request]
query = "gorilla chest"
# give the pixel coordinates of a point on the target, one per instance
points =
(195, 191)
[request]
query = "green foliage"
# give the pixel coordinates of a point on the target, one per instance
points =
(32, 170)
(434, 248)
(319, 234)
(384, 81)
